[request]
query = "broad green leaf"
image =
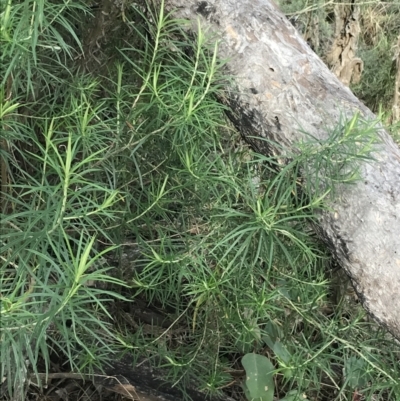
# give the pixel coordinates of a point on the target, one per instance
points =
(281, 352)
(271, 338)
(355, 372)
(259, 377)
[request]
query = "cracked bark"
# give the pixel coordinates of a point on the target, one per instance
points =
(342, 58)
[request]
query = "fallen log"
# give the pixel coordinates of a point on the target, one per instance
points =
(280, 85)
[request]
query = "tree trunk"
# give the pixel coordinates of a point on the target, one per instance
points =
(342, 56)
(282, 86)
(396, 98)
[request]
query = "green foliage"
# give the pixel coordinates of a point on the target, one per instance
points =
(259, 385)
(133, 151)
(356, 372)
(378, 81)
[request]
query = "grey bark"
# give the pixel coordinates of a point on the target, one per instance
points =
(283, 85)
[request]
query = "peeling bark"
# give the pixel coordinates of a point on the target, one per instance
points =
(311, 35)
(342, 56)
(281, 85)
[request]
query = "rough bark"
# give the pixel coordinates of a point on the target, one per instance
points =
(396, 97)
(342, 57)
(282, 86)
